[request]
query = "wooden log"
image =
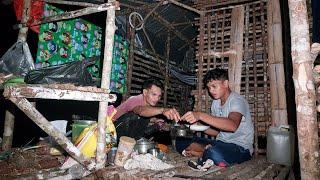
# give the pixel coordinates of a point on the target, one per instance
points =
(8, 131)
(24, 105)
(77, 13)
(236, 44)
(276, 71)
(305, 91)
(105, 83)
(74, 3)
(59, 94)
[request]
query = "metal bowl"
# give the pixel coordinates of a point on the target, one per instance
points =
(142, 146)
(154, 151)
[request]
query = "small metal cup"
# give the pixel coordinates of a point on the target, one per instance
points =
(111, 155)
(154, 151)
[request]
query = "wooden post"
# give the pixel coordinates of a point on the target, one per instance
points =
(200, 64)
(236, 43)
(22, 36)
(305, 91)
(166, 77)
(9, 117)
(255, 79)
(276, 70)
(105, 83)
(130, 62)
(8, 131)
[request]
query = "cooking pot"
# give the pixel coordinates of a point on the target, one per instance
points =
(180, 131)
(143, 145)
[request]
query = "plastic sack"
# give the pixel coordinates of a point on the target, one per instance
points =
(73, 72)
(17, 60)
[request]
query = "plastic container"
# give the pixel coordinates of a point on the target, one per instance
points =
(78, 126)
(125, 148)
(280, 145)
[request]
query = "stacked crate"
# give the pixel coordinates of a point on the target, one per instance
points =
(119, 65)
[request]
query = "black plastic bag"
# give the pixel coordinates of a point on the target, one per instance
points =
(73, 72)
(17, 60)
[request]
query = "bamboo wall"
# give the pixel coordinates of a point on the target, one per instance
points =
(146, 65)
(255, 86)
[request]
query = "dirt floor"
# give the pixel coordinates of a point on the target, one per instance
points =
(39, 163)
(19, 162)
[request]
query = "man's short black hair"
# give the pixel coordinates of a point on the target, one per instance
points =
(215, 74)
(149, 82)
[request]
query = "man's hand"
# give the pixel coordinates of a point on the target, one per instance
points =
(171, 114)
(191, 117)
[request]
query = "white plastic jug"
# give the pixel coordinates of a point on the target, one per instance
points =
(280, 145)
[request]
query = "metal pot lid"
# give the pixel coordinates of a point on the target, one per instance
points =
(144, 141)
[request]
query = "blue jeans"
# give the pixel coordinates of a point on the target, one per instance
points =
(219, 152)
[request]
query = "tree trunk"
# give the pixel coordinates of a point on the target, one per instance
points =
(305, 90)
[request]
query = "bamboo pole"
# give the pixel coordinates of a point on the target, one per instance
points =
(166, 77)
(207, 99)
(255, 104)
(200, 64)
(305, 91)
(105, 83)
(168, 25)
(148, 39)
(276, 70)
(9, 117)
(265, 69)
(130, 62)
(186, 7)
(236, 43)
(222, 38)
(246, 47)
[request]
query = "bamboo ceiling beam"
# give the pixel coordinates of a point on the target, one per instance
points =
(158, 34)
(186, 6)
(167, 24)
(152, 11)
(127, 5)
(183, 23)
(77, 13)
(149, 41)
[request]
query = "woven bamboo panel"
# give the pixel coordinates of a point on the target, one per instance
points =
(254, 81)
(147, 66)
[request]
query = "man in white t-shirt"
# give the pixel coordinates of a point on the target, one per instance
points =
(229, 121)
